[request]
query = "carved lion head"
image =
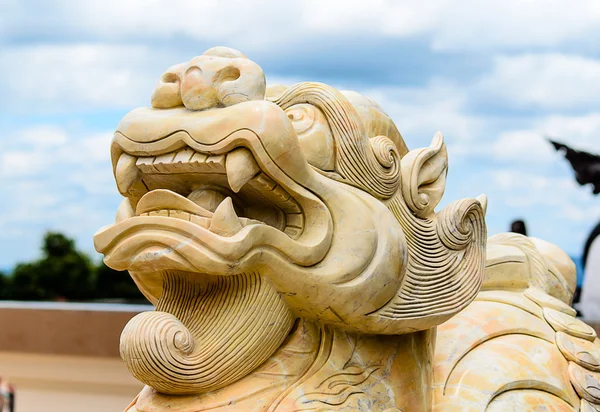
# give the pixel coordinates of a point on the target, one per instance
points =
(247, 207)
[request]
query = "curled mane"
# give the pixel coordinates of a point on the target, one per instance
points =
(369, 162)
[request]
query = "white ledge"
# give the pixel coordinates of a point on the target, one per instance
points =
(95, 307)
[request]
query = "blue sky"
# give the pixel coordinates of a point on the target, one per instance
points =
(494, 77)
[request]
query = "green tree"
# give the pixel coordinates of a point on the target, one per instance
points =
(25, 283)
(115, 284)
(63, 273)
(5, 285)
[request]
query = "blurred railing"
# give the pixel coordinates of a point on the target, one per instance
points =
(65, 356)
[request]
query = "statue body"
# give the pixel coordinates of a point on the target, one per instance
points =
(289, 241)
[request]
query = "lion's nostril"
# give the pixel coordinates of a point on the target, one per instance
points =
(197, 88)
(170, 78)
(193, 71)
(220, 77)
(228, 74)
(167, 93)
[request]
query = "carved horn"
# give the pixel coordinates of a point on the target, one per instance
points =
(424, 176)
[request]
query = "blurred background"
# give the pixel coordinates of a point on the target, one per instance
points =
(494, 78)
(498, 79)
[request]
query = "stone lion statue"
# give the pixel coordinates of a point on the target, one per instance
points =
(290, 243)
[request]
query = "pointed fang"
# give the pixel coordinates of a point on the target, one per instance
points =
(241, 167)
(224, 221)
(126, 173)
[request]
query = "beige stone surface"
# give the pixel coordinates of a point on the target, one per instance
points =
(60, 383)
(518, 346)
(291, 245)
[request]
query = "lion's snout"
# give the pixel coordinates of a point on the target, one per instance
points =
(220, 77)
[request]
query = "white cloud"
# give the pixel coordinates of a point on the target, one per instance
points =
(515, 24)
(62, 77)
(551, 81)
(391, 18)
(248, 23)
(66, 185)
(97, 55)
(482, 25)
(470, 25)
(554, 207)
(43, 135)
(579, 214)
(515, 179)
(421, 112)
(523, 145)
(53, 149)
(531, 145)
(581, 132)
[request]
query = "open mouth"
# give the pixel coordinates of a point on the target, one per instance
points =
(222, 193)
(214, 192)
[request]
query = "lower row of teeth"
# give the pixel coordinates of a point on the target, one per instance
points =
(199, 220)
(293, 229)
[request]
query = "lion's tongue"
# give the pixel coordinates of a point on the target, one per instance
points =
(165, 199)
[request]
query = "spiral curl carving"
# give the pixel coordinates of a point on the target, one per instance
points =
(158, 339)
(205, 334)
(458, 222)
(385, 151)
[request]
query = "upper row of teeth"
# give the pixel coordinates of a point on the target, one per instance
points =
(239, 165)
(186, 160)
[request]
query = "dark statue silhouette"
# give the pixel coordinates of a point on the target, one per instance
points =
(586, 165)
(587, 171)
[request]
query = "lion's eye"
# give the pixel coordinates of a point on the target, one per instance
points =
(295, 115)
(314, 134)
(302, 117)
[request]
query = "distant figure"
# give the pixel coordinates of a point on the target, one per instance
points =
(7, 397)
(518, 226)
(590, 291)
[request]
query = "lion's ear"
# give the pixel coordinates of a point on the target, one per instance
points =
(424, 176)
